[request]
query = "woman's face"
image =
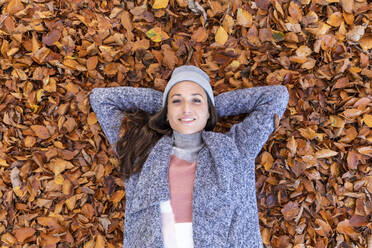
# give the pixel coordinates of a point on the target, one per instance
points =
(187, 107)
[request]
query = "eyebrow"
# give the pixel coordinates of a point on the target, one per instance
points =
(195, 94)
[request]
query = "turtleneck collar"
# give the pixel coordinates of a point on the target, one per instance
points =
(187, 146)
(186, 141)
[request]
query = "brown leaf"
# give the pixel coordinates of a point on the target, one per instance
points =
(325, 153)
(169, 56)
(200, 35)
(243, 18)
(290, 210)
(41, 131)
(292, 146)
(267, 160)
(358, 221)
(347, 5)
(324, 228)
(263, 4)
(52, 37)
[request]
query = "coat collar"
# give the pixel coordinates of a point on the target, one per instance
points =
(153, 186)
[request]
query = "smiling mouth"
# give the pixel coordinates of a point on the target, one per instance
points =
(187, 120)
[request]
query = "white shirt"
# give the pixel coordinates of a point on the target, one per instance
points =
(175, 235)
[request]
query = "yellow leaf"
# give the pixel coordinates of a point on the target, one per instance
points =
(292, 146)
(234, 64)
(221, 36)
(3, 162)
(70, 202)
(59, 179)
(89, 244)
(367, 118)
(58, 165)
(325, 153)
(228, 24)
(156, 34)
(160, 4)
(74, 65)
(337, 121)
(244, 18)
(335, 19)
(100, 242)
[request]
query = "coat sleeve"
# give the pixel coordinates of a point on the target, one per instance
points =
(260, 103)
(109, 105)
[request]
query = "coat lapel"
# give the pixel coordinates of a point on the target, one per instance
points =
(153, 186)
(212, 198)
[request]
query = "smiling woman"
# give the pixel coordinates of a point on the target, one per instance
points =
(187, 107)
(187, 186)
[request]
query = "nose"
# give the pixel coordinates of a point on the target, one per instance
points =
(186, 107)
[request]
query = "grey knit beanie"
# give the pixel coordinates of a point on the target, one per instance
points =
(189, 73)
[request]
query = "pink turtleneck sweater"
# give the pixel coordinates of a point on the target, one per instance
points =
(181, 184)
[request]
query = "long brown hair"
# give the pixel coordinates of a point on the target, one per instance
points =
(142, 131)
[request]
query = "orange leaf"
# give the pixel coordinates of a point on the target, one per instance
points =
(267, 160)
(367, 119)
(344, 227)
(24, 233)
(92, 118)
(14, 6)
(8, 238)
(92, 63)
(160, 4)
(117, 196)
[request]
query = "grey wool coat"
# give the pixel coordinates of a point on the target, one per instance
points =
(224, 213)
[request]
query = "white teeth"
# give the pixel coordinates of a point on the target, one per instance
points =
(187, 119)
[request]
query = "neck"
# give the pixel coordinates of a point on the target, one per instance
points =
(185, 141)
